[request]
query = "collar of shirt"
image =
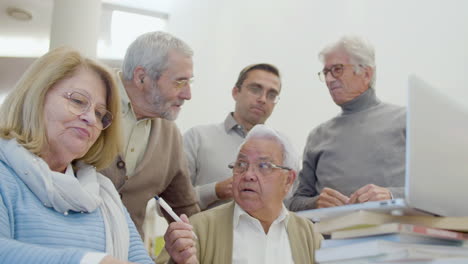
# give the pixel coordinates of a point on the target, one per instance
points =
(127, 108)
(239, 214)
(69, 171)
(363, 102)
(135, 132)
(252, 245)
(231, 124)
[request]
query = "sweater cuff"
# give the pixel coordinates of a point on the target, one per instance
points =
(206, 194)
(397, 192)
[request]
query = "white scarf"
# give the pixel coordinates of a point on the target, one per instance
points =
(87, 192)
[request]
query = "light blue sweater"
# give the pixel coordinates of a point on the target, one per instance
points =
(33, 233)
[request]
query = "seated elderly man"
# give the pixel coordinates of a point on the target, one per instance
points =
(256, 224)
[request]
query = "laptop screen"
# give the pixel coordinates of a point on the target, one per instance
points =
(436, 151)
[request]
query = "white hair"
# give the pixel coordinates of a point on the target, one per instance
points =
(150, 51)
(360, 51)
(260, 131)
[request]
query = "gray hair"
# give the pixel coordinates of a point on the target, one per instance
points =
(260, 131)
(360, 51)
(150, 51)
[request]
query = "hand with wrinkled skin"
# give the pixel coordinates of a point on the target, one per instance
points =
(329, 197)
(224, 189)
(180, 242)
(370, 192)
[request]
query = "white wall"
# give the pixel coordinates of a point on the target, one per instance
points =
(426, 37)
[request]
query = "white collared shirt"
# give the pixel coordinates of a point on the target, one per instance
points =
(135, 132)
(252, 245)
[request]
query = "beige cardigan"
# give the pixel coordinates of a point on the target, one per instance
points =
(214, 229)
(163, 171)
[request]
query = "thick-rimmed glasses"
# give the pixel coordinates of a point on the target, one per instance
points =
(335, 70)
(264, 167)
(79, 103)
(179, 84)
(256, 90)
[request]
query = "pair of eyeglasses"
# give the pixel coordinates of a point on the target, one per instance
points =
(256, 90)
(264, 167)
(179, 84)
(335, 70)
(79, 103)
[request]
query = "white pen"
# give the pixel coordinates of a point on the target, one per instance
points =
(169, 210)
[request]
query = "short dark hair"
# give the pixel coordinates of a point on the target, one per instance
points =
(259, 66)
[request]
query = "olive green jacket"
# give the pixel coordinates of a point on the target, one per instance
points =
(214, 229)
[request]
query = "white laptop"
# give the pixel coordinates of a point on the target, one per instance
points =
(436, 159)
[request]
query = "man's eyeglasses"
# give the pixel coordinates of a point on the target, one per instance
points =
(263, 167)
(179, 84)
(335, 70)
(79, 103)
(256, 90)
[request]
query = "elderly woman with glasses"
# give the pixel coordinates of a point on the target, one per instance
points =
(57, 127)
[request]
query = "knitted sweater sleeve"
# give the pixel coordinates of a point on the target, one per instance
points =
(13, 251)
(16, 251)
(136, 252)
(206, 193)
(306, 194)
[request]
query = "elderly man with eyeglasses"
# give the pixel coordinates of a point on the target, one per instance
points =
(359, 155)
(256, 227)
(154, 84)
(210, 147)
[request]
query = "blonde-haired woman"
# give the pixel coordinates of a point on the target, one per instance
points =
(58, 126)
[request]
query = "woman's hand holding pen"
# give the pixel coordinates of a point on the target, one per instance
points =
(180, 242)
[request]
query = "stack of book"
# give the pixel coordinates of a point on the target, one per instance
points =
(367, 237)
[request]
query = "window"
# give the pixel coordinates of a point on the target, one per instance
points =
(124, 28)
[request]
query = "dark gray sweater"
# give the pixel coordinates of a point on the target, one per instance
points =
(364, 144)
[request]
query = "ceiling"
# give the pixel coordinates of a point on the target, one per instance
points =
(38, 27)
(32, 37)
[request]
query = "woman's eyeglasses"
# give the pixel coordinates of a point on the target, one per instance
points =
(79, 103)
